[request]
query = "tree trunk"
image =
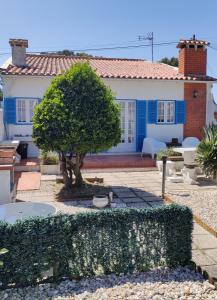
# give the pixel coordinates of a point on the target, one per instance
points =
(66, 178)
(77, 170)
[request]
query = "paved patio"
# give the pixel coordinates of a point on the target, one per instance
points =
(139, 189)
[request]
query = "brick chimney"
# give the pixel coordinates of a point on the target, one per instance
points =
(192, 57)
(192, 62)
(18, 47)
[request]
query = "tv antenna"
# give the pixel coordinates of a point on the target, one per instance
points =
(149, 37)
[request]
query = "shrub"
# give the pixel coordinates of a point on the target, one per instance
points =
(207, 151)
(108, 241)
(49, 158)
(167, 152)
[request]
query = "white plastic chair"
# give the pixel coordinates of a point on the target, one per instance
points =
(152, 146)
(190, 142)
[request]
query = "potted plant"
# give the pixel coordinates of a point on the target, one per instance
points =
(206, 152)
(100, 201)
(49, 163)
(172, 156)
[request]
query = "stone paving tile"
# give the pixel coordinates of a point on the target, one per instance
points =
(212, 271)
(138, 205)
(140, 193)
(118, 200)
(127, 194)
(194, 247)
(132, 200)
(202, 260)
(122, 189)
(153, 199)
(199, 230)
(36, 198)
(205, 241)
(212, 253)
(156, 203)
(48, 177)
(121, 205)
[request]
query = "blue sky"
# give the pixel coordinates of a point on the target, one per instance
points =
(51, 25)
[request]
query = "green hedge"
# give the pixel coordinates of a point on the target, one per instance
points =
(118, 241)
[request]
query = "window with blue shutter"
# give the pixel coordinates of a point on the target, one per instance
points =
(180, 112)
(10, 110)
(140, 124)
(152, 111)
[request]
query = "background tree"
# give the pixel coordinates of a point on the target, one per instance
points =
(77, 115)
(173, 61)
(68, 53)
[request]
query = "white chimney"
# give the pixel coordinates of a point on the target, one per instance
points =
(18, 47)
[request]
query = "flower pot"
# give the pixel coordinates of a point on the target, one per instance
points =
(100, 201)
(50, 169)
(170, 167)
(178, 161)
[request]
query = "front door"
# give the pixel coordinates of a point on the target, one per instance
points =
(128, 127)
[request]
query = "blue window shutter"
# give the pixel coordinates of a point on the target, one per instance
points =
(152, 112)
(140, 123)
(180, 112)
(10, 110)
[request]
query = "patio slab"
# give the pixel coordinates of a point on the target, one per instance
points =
(202, 259)
(132, 200)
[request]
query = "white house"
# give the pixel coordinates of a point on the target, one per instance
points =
(156, 100)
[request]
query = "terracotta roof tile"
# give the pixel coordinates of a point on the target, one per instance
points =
(52, 65)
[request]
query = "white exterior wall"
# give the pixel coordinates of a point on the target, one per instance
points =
(25, 86)
(5, 187)
(35, 86)
(152, 90)
(211, 106)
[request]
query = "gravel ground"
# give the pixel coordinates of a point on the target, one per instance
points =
(203, 204)
(158, 284)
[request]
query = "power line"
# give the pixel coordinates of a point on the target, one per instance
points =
(115, 48)
(108, 48)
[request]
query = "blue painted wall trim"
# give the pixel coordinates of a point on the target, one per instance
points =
(140, 123)
(9, 110)
(180, 112)
(9, 107)
(152, 111)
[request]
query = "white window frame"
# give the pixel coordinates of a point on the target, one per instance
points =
(166, 104)
(27, 111)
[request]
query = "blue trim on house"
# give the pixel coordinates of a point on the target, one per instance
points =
(180, 112)
(152, 111)
(172, 123)
(141, 123)
(10, 109)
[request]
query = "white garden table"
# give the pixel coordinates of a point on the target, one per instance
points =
(187, 153)
(25, 210)
(189, 173)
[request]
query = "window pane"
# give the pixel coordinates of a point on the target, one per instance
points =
(160, 112)
(170, 112)
(32, 104)
(122, 105)
(131, 114)
(21, 110)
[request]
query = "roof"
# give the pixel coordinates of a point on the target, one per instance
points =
(52, 65)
